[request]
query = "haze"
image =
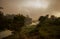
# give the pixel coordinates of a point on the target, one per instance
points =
(33, 8)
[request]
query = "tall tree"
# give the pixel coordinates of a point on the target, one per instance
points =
(1, 21)
(18, 22)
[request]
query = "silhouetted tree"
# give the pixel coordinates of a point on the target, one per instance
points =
(18, 22)
(1, 21)
(49, 24)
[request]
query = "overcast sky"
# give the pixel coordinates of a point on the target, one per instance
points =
(33, 8)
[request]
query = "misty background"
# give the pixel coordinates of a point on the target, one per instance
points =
(25, 7)
(29, 19)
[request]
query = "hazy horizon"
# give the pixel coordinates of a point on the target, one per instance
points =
(33, 8)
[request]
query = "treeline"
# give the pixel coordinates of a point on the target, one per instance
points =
(13, 22)
(47, 28)
(52, 20)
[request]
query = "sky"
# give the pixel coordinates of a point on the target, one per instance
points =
(33, 8)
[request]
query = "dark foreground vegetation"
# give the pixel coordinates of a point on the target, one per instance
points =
(47, 28)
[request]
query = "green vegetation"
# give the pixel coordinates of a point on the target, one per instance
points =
(47, 28)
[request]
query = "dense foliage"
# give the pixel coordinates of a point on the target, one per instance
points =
(14, 23)
(47, 28)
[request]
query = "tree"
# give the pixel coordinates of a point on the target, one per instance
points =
(18, 22)
(43, 18)
(1, 21)
(49, 27)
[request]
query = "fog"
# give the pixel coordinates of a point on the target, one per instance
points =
(33, 8)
